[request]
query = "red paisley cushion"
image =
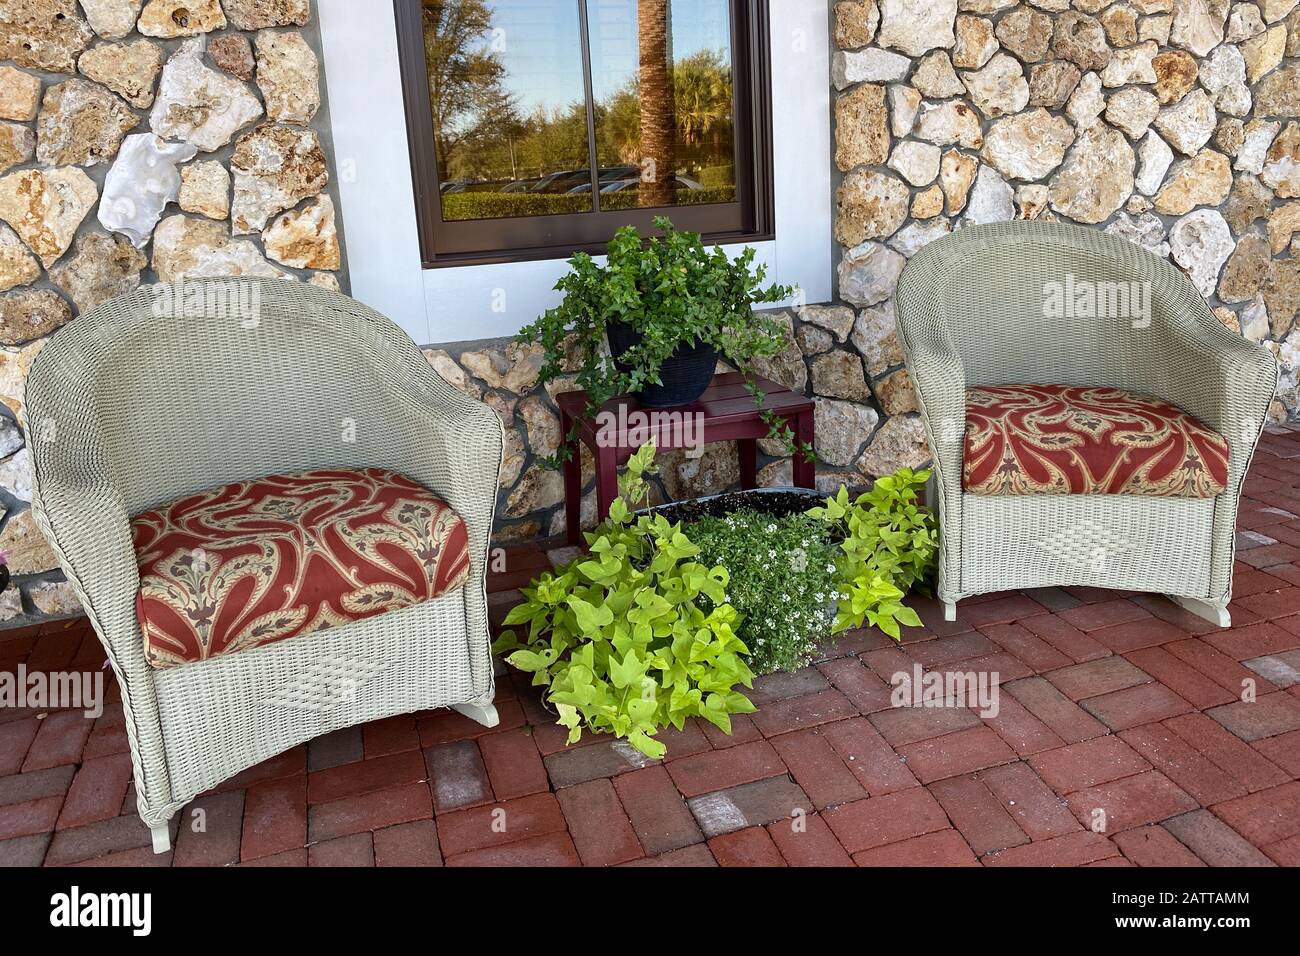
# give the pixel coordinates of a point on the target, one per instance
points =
(260, 561)
(1076, 440)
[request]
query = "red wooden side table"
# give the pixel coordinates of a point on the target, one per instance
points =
(725, 412)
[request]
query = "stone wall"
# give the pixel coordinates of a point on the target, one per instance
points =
(144, 141)
(1172, 123)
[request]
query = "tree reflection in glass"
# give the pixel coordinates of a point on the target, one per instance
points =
(510, 111)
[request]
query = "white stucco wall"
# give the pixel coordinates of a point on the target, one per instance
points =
(488, 301)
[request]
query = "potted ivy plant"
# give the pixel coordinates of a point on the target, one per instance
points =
(668, 309)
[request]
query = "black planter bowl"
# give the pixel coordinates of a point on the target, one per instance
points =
(685, 374)
(779, 502)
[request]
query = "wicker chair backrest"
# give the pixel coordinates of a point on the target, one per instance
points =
(1026, 302)
(223, 380)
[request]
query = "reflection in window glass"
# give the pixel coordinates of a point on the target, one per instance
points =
(509, 106)
(510, 114)
(662, 81)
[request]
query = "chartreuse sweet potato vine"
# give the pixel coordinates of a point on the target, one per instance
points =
(619, 637)
(888, 547)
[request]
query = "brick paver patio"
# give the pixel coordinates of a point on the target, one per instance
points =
(1113, 703)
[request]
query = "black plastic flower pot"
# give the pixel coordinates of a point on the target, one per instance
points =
(778, 501)
(685, 374)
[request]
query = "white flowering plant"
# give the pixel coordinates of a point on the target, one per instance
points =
(782, 582)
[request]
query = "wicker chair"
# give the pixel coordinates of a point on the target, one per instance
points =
(133, 406)
(970, 313)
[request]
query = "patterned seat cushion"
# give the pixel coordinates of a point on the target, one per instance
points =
(260, 561)
(1076, 440)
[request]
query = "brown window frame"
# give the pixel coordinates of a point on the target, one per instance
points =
(517, 239)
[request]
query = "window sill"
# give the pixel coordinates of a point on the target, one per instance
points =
(453, 260)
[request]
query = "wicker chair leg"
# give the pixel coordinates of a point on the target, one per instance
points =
(481, 712)
(1214, 613)
(949, 610)
(162, 838)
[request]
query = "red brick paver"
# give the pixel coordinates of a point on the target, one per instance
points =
(1127, 732)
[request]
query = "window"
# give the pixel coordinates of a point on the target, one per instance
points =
(538, 127)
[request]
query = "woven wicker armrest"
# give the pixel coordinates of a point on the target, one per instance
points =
(939, 379)
(87, 525)
(447, 441)
(1225, 380)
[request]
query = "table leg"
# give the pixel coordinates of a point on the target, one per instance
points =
(805, 472)
(572, 483)
(747, 448)
(606, 481)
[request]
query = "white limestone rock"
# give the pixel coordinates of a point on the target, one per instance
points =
(17, 265)
(1223, 73)
(918, 163)
(842, 427)
(1275, 10)
(999, 88)
(1097, 176)
(870, 205)
(949, 122)
(1086, 102)
(185, 248)
(1254, 320)
(55, 599)
(1146, 231)
(260, 14)
(128, 69)
(915, 26)
(11, 437)
(288, 75)
(871, 65)
(1201, 243)
(1156, 158)
(1131, 65)
(1199, 24)
(1244, 22)
(307, 238)
(1259, 136)
(903, 104)
(1282, 163)
(991, 199)
(976, 42)
(868, 273)
(198, 105)
(934, 77)
(112, 19)
(16, 475)
(956, 175)
(1189, 125)
(1032, 201)
(143, 180)
(1264, 53)
(1133, 110)
(180, 18)
(912, 237)
(1028, 146)
(274, 167)
(205, 189)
